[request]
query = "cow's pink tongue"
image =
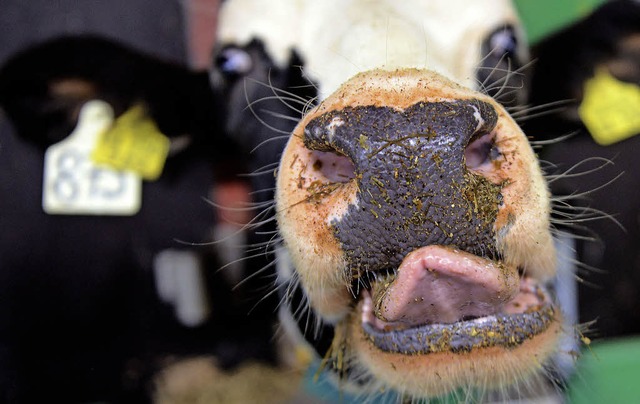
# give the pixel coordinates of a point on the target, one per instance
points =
(437, 284)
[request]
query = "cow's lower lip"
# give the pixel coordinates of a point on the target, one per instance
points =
(508, 329)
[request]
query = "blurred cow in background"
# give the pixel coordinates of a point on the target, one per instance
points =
(96, 300)
(594, 67)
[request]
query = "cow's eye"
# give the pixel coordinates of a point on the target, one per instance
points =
(499, 72)
(503, 43)
(234, 61)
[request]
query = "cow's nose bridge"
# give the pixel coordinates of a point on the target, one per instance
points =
(375, 136)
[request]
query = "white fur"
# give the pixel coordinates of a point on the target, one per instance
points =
(339, 38)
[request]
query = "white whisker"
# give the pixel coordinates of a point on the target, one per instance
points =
(527, 109)
(569, 173)
(255, 114)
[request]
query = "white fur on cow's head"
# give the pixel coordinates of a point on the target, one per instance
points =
(352, 36)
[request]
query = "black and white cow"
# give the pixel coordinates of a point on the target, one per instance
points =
(608, 40)
(404, 276)
(90, 294)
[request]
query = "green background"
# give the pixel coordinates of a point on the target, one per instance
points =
(544, 17)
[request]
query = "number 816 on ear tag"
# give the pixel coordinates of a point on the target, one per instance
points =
(75, 185)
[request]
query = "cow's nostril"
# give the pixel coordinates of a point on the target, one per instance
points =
(333, 166)
(480, 151)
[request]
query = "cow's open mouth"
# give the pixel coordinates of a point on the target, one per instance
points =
(442, 299)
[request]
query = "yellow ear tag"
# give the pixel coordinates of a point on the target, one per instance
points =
(133, 143)
(610, 108)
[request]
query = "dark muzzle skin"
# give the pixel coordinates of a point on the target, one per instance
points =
(413, 184)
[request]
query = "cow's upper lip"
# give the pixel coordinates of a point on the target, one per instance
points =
(442, 299)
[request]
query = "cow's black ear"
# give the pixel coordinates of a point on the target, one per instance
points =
(42, 109)
(43, 87)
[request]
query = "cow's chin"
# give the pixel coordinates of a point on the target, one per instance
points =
(432, 359)
(437, 373)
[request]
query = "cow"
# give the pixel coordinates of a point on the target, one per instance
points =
(415, 246)
(602, 45)
(99, 296)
